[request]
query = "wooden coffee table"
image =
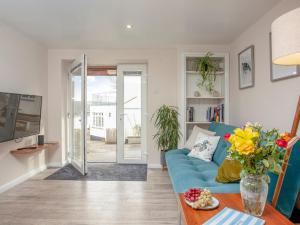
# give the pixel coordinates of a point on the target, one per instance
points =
(197, 217)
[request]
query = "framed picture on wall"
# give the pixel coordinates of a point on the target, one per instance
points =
(279, 72)
(246, 67)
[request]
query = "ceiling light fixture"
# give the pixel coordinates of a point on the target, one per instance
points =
(128, 26)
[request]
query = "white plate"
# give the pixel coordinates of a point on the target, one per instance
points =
(215, 204)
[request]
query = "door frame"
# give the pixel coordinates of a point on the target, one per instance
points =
(80, 62)
(120, 112)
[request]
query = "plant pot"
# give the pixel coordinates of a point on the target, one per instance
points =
(163, 162)
(254, 192)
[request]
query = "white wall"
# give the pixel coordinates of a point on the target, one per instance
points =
(23, 66)
(162, 86)
(271, 103)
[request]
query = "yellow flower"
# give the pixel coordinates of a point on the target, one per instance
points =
(242, 141)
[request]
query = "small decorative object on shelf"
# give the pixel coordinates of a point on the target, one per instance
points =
(216, 94)
(196, 94)
(258, 151)
(190, 114)
(221, 67)
(200, 199)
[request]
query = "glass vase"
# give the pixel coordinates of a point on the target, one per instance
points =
(254, 192)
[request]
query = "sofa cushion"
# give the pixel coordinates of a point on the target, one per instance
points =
(204, 147)
(192, 138)
(187, 172)
(221, 151)
(229, 171)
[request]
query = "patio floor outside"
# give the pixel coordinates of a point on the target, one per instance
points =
(99, 151)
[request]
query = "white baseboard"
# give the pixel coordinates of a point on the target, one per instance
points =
(21, 179)
(154, 166)
(57, 164)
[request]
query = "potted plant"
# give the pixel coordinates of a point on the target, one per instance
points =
(136, 138)
(168, 133)
(207, 69)
(258, 151)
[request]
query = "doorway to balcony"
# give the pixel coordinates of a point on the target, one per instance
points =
(115, 114)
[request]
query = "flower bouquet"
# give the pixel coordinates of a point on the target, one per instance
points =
(258, 151)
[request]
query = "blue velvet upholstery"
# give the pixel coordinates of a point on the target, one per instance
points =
(187, 172)
(221, 130)
(291, 184)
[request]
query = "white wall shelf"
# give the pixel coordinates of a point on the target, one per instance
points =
(200, 104)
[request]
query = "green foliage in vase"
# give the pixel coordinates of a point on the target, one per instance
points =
(167, 125)
(207, 69)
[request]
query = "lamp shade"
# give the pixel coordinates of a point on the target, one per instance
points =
(286, 39)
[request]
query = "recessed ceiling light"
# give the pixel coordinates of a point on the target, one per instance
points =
(128, 26)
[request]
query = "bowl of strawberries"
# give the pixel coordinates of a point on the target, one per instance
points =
(200, 199)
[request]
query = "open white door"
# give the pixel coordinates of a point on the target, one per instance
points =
(132, 113)
(77, 116)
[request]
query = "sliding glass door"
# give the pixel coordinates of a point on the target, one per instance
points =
(132, 118)
(77, 116)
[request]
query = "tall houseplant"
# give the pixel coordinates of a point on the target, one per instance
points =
(168, 133)
(207, 69)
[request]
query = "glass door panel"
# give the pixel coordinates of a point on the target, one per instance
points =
(77, 114)
(132, 115)
(101, 116)
(132, 89)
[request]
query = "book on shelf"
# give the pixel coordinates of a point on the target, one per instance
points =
(230, 216)
(190, 114)
(215, 113)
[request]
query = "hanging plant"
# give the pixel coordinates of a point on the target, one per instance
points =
(207, 69)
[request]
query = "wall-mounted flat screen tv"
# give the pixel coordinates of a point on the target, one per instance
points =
(20, 115)
(8, 111)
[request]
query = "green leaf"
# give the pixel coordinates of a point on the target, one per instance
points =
(266, 163)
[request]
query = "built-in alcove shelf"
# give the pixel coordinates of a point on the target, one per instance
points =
(199, 105)
(30, 150)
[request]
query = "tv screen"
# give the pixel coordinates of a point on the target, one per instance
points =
(28, 117)
(8, 111)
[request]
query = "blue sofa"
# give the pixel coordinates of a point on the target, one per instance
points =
(186, 172)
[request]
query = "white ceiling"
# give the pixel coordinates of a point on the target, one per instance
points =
(156, 23)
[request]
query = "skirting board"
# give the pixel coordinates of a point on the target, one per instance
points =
(57, 164)
(21, 179)
(154, 166)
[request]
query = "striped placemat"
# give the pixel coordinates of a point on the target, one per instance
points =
(233, 217)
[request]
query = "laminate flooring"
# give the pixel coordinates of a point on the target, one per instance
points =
(53, 202)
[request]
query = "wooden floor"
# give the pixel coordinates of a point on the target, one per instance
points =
(48, 202)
